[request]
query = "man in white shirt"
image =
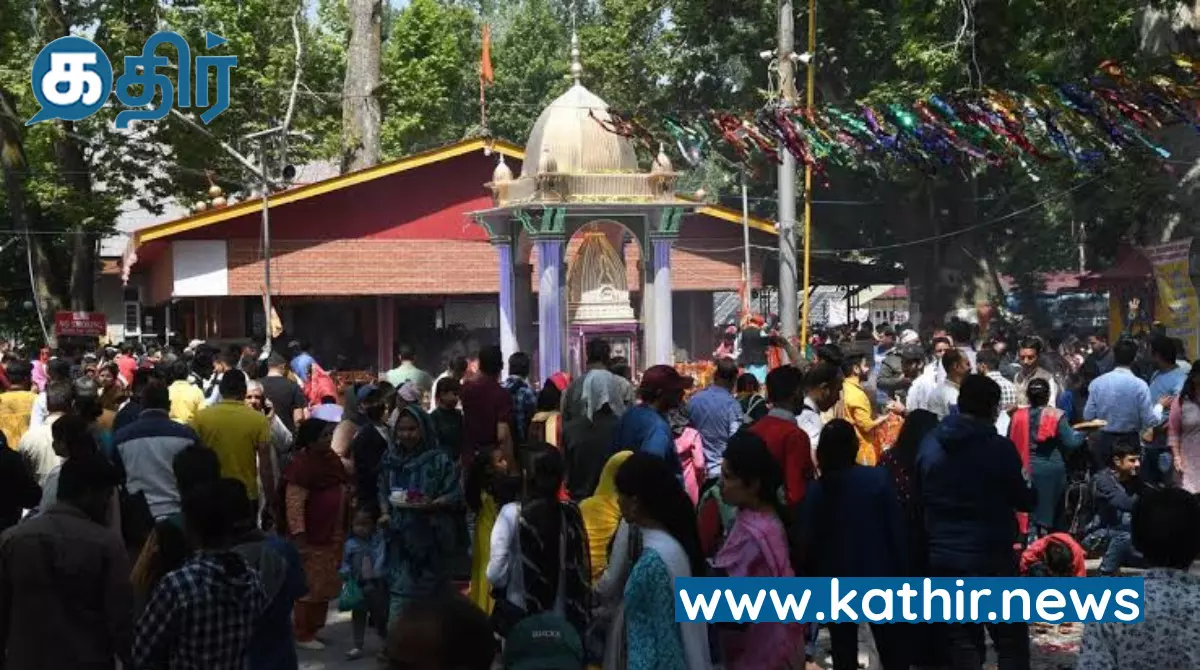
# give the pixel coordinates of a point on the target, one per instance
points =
(944, 399)
(822, 390)
(988, 364)
(37, 444)
(921, 391)
(224, 362)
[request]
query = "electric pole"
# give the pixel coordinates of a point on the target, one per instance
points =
(788, 307)
(263, 137)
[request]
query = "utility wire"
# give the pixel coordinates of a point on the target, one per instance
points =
(960, 231)
(925, 240)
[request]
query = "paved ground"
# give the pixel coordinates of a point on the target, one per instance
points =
(1052, 649)
(338, 637)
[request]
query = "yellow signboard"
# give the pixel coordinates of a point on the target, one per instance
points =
(1176, 306)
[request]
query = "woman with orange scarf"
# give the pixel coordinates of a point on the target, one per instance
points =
(1043, 437)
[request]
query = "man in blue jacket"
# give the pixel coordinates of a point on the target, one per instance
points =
(972, 486)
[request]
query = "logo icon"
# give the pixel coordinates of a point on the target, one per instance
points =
(72, 79)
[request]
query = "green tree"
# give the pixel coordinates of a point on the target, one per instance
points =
(430, 76)
(530, 56)
(881, 51)
(264, 35)
(64, 180)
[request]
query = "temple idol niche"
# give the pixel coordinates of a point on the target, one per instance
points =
(598, 299)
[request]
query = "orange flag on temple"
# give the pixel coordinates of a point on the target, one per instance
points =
(485, 59)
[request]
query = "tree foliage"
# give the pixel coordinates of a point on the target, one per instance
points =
(430, 76)
(663, 56)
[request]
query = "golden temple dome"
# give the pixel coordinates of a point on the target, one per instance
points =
(574, 141)
(571, 156)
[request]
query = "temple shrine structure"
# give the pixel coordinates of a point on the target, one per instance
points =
(570, 239)
(580, 178)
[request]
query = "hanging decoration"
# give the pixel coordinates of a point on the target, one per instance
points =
(1081, 123)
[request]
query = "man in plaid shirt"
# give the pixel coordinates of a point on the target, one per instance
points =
(524, 399)
(988, 363)
(202, 615)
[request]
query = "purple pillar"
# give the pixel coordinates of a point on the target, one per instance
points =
(664, 340)
(550, 323)
(508, 321)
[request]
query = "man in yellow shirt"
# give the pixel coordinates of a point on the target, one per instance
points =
(16, 404)
(858, 406)
(240, 436)
(186, 397)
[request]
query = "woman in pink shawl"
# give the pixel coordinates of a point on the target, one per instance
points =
(39, 376)
(757, 546)
(691, 452)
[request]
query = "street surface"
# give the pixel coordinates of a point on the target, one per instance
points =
(1051, 649)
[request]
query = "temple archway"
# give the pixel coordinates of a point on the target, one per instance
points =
(601, 279)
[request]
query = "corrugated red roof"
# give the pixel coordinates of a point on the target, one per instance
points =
(1131, 266)
(894, 293)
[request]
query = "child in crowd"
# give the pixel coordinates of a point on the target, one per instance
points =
(445, 633)
(363, 563)
(1055, 555)
(448, 418)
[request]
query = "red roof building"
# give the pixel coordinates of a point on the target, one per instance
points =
(364, 261)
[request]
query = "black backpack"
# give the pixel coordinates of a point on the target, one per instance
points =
(753, 409)
(1079, 506)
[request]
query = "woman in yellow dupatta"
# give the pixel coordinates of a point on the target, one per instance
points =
(601, 515)
(488, 488)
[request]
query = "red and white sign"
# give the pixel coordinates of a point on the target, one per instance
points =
(80, 324)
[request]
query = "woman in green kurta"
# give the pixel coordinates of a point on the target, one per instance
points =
(420, 493)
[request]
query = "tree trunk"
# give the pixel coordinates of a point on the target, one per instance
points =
(72, 164)
(914, 220)
(1175, 29)
(361, 113)
(13, 166)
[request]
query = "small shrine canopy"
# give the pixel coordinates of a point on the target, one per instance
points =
(571, 158)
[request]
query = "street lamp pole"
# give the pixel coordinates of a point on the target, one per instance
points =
(786, 177)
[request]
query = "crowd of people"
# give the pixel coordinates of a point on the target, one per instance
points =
(208, 508)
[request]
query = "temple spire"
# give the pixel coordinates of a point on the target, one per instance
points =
(576, 66)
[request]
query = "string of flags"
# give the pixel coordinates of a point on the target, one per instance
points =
(1081, 123)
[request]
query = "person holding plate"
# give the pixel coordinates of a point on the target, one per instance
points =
(420, 497)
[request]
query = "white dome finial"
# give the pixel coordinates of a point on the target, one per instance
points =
(576, 66)
(502, 172)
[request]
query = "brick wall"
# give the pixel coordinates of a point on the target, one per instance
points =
(440, 267)
(711, 264)
(365, 267)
